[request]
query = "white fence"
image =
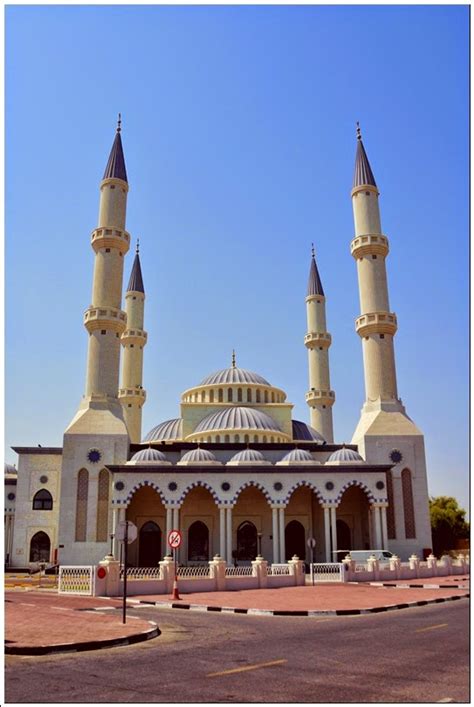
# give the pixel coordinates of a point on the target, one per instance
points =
(239, 571)
(328, 571)
(193, 571)
(76, 580)
(278, 569)
(142, 573)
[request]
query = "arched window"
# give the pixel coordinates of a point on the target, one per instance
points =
(246, 541)
(209, 439)
(81, 505)
(42, 501)
(40, 547)
(246, 439)
(218, 438)
(203, 396)
(272, 439)
(391, 531)
(408, 509)
(273, 397)
(227, 438)
(198, 542)
(239, 395)
(258, 396)
(236, 438)
(103, 506)
(255, 438)
(264, 438)
(266, 396)
(149, 545)
(249, 395)
(211, 396)
(221, 395)
(229, 395)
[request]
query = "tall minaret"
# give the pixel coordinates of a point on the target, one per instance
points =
(320, 397)
(104, 319)
(376, 325)
(131, 394)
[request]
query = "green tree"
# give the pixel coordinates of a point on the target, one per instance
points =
(448, 523)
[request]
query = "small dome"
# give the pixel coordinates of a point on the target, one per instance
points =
(234, 375)
(248, 456)
(345, 456)
(149, 456)
(168, 430)
(298, 456)
(237, 418)
(198, 456)
(305, 433)
(10, 469)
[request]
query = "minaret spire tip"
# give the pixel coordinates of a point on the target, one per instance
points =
(119, 123)
(138, 246)
(359, 134)
(233, 358)
(312, 250)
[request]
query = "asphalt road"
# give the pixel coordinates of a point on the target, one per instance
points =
(415, 655)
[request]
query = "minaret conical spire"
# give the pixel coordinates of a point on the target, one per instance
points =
(135, 284)
(315, 286)
(362, 173)
(115, 168)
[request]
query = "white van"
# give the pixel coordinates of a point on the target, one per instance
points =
(361, 556)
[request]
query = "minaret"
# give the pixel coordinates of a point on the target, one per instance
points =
(320, 397)
(104, 319)
(376, 325)
(131, 394)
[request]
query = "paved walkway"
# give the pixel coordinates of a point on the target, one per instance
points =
(39, 620)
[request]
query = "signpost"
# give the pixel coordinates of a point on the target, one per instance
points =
(174, 541)
(126, 532)
(311, 543)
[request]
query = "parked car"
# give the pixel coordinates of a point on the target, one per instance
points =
(361, 556)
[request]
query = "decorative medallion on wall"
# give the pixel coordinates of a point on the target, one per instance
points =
(172, 485)
(329, 485)
(119, 485)
(278, 486)
(380, 485)
(225, 486)
(11, 496)
(94, 456)
(44, 479)
(396, 456)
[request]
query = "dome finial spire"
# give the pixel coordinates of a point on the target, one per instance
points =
(233, 358)
(359, 134)
(312, 250)
(138, 246)
(119, 123)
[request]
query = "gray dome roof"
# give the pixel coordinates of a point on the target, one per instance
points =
(10, 469)
(298, 455)
(234, 375)
(149, 455)
(169, 430)
(237, 418)
(305, 433)
(198, 456)
(345, 455)
(248, 456)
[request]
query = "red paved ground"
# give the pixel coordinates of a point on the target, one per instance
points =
(320, 598)
(37, 619)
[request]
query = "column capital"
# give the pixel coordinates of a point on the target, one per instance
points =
(329, 506)
(278, 506)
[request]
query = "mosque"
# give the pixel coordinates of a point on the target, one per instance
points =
(234, 472)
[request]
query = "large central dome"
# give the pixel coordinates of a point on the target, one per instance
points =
(234, 375)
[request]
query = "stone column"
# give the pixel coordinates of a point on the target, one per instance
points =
(176, 527)
(276, 544)
(414, 564)
(217, 572)
(327, 533)
(115, 522)
(296, 570)
(383, 513)
(259, 569)
(281, 518)
(169, 527)
(222, 547)
(333, 534)
(377, 527)
(229, 535)
(111, 583)
(432, 564)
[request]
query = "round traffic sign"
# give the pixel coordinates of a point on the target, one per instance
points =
(174, 539)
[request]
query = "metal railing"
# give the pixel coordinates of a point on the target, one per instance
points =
(76, 580)
(278, 569)
(328, 571)
(194, 571)
(238, 571)
(142, 573)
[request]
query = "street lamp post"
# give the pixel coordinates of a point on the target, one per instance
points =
(259, 538)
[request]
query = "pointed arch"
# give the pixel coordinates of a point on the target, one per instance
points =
(198, 542)
(308, 484)
(139, 485)
(42, 501)
(391, 528)
(359, 484)
(102, 521)
(408, 508)
(40, 547)
(247, 545)
(203, 484)
(82, 494)
(257, 485)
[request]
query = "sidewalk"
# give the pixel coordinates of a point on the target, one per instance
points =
(42, 622)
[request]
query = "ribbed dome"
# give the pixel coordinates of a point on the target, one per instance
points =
(169, 430)
(248, 456)
(10, 469)
(198, 456)
(345, 456)
(297, 456)
(234, 375)
(237, 418)
(305, 433)
(149, 455)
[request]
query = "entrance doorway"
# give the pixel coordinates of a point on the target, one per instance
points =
(246, 541)
(198, 542)
(295, 540)
(343, 537)
(149, 551)
(40, 547)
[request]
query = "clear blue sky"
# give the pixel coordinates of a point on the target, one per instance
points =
(239, 137)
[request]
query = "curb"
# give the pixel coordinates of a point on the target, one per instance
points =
(414, 586)
(85, 645)
(281, 612)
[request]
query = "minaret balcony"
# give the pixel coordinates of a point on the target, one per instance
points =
(376, 323)
(369, 245)
(132, 395)
(105, 318)
(137, 337)
(314, 340)
(110, 238)
(316, 398)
